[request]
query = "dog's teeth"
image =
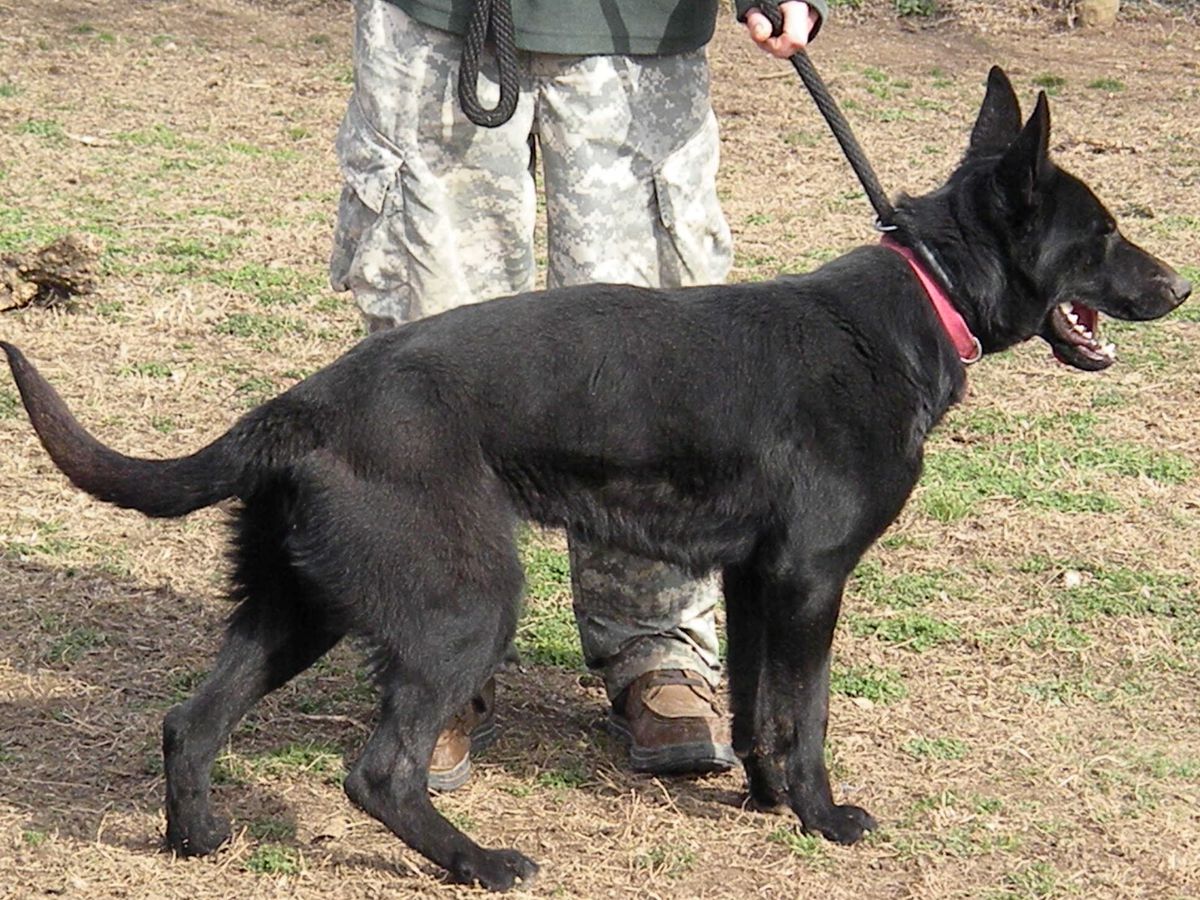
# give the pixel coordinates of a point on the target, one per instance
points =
(1072, 318)
(1066, 308)
(1079, 329)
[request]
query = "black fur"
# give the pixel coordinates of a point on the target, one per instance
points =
(770, 430)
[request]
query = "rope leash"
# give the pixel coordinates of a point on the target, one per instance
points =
(490, 19)
(837, 122)
(884, 211)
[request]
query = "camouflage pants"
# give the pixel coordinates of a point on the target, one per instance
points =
(437, 212)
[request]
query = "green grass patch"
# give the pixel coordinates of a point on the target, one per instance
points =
(46, 541)
(1044, 474)
(274, 859)
(906, 590)
(310, 759)
(31, 837)
(912, 630)
(565, 778)
(1051, 84)
(946, 748)
(1125, 592)
(805, 846)
(146, 369)
(74, 644)
(1111, 85)
(267, 284)
(159, 136)
(271, 829)
(8, 89)
(254, 391)
(259, 327)
(874, 683)
(920, 8)
(47, 129)
(1051, 633)
(666, 860)
(547, 634)
(8, 404)
(1032, 882)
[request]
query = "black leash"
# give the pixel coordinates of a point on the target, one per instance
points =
(490, 20)
(884, 211)
(837, 122)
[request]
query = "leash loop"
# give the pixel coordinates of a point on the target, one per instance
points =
(489, 19)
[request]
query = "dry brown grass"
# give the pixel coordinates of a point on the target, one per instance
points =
(1045, 740)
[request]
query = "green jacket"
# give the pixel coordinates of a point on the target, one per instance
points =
(587, 27)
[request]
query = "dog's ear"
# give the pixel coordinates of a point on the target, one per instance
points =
(999, 120)
(1027, 160)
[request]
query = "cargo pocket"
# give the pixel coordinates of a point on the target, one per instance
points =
(699, 248)
(369, 256)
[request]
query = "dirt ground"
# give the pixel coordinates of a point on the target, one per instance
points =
(1018, 673)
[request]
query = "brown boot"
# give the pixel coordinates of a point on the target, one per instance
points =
(672, 725)
(471, 730)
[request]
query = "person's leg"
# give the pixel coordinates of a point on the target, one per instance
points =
(435, 213)
(630, 158)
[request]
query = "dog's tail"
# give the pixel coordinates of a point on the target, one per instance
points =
(164, 488)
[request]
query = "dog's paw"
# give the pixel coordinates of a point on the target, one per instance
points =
(200, 839)
(495, 870)
(840, 824)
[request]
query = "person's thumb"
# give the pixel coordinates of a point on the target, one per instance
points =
(760, 28)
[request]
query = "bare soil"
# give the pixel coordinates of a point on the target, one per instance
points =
(1039, 739)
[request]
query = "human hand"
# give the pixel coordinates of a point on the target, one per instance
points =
(799, 20)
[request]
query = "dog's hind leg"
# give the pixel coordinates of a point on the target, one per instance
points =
(389, 779)
(427, 567)
(270, 639)
(746, 627)
(451, 640)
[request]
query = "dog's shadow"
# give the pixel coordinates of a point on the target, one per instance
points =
(91, 663)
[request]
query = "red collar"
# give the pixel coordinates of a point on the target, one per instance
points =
(967, 345)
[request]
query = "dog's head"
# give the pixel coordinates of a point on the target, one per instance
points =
(1065, 261)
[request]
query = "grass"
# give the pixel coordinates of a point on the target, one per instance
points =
(147, 369)
(916, 631)
(271, 829)
(547, 634)
(261, 329)
(1052, 712)
(275, 859)
(1063, 474)
(901, 590)
(567, 778)
(944, 748)
(1051, 84)
(874, 683)
(668, 861)
(305, 760)
(9, 403)
(806, 846)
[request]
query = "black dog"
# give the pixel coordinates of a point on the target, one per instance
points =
(770, 430)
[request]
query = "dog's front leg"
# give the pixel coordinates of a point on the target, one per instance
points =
(801, 612)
